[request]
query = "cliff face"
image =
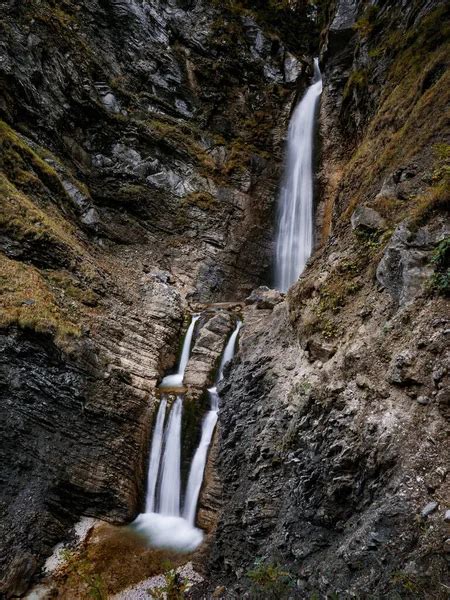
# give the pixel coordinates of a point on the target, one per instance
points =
(335, 415)
(140, 151)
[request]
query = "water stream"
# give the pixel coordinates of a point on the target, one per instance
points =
(295, 226)
(176, 379)
(198, 465)
(162, 523)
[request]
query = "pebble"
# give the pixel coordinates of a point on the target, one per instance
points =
(428, 509)
(423, 400)
(447, 516)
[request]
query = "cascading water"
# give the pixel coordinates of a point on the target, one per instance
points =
(155, 456)
(169, 497)
(295, 227)
(165, 528)
(209, 423)
(176, 379)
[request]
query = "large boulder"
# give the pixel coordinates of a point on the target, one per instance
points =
(405, 266)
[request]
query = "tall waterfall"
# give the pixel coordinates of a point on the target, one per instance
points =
(176, 380)
(295, 226)
(209, 423)
(166, 528)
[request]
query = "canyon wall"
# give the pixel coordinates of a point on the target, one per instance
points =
(140, 152)
(334, 422)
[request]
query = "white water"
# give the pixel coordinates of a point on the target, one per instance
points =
(169, 497)
(198, 465)
(172, 533)
(155, 456)
(166, 528)
(295, 227)
(176, 380)
(229, 351)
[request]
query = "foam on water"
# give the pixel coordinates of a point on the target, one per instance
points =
(168, 532)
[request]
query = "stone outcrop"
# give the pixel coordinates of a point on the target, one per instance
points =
(206, 352)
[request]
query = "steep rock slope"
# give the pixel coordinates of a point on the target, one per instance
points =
(140, 148)
(334, 423)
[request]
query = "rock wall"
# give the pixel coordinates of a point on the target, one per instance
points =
(140, 148)
(334, 418)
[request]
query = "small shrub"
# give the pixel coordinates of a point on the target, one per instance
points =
(175, 587)
(270, 581)
(83, 570)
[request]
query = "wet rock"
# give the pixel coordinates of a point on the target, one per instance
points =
(428, 509)
(367, 219)
(206, 352)
(264, 298)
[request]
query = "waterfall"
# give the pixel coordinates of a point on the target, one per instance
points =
(155, 456)
(162, 523)
(229, 350)
(295, 226)
(169, 498)
(176, 380)
(198, 465)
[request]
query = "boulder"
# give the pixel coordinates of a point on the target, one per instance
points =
(319, 350)
(367, 219)
(405, 265)
(264, 298)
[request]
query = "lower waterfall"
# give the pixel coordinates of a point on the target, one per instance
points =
(162, 523)
(155, 457)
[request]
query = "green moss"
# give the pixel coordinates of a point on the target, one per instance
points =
(356, 81)
(411, 114)
(23, 220)
(23, 166)
(181, 137)
(366, 24)
(71, 288)
(435, 199)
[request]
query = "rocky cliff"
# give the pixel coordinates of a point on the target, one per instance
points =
(140, 152)
(334, 425)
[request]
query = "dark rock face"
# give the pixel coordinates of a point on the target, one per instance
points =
(169, 115)
(60, 424)
(325, 468)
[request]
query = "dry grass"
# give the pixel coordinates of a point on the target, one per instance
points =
(116, 558)
(412, 113)
(27, 301)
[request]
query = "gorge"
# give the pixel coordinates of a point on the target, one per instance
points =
(151, 157)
